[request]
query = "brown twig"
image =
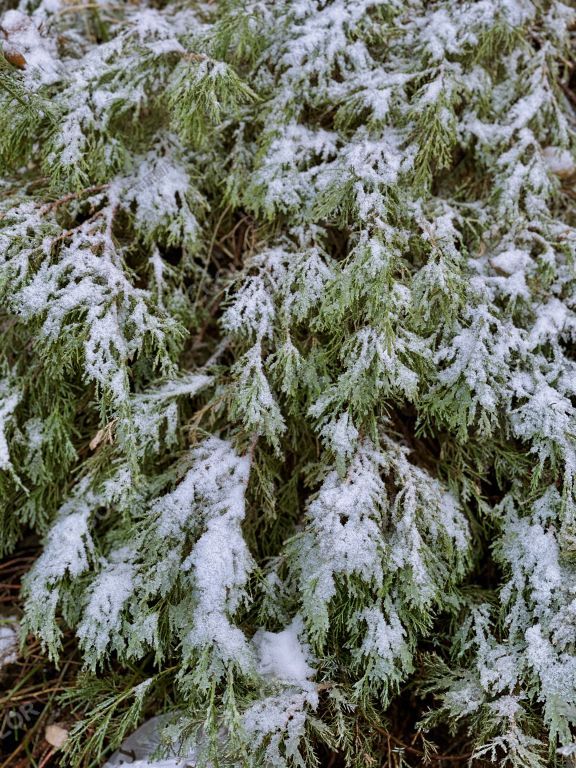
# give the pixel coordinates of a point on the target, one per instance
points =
(10, 563)
(46, 758)
(69, 232)
(71, 196)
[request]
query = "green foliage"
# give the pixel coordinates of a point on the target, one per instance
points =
(287, 317)
(202, 92)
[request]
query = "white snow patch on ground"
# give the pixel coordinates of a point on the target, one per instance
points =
(8, 640)
(143, 743)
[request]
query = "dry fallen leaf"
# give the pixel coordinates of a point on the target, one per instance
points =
(56, 735)
(104, 435)
(15, 58)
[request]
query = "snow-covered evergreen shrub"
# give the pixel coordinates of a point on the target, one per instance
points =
(288, 368)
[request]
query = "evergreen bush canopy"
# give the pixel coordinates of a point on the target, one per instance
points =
(288, 367)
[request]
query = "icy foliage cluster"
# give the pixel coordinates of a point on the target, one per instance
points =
(288, 369)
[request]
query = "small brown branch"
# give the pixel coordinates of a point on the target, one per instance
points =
(71, 196)
(69, 232)
(47, 757)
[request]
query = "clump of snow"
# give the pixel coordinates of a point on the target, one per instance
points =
(8, 640)
(159, 192)
(279, 723)
(282, 655)
(108, 594)
(211, 498)
(510, 261)
(341, 435)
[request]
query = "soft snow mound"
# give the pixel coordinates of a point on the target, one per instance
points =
(281, 655)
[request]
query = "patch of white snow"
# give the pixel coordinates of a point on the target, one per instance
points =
(281, 655)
